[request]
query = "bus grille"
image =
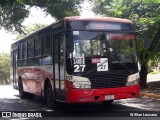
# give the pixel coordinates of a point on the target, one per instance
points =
(108, 79)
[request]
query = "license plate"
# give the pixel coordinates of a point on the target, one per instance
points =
(109, 97)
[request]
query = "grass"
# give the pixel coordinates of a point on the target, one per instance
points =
(154, 72)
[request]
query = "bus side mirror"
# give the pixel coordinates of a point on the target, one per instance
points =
(69, 43)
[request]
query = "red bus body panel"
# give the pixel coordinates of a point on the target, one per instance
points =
(33, 82)
(88, 95)
(34, 79)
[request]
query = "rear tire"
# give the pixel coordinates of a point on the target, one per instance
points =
(29, 95)
(22, 94)
(50, 97)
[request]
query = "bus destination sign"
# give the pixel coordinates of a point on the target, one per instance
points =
(103, 26)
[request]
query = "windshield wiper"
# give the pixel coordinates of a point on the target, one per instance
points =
(129, 71)
(96, 67)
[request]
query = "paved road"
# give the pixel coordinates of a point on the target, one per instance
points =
(10, 101)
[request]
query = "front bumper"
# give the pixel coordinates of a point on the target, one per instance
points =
(98, 95)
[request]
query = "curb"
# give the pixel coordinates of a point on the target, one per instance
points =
(150, 95)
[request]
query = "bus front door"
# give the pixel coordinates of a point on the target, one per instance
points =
(58, 53)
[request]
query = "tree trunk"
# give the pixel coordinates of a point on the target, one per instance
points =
(143, 76)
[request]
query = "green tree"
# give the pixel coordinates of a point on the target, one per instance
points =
(146, 16)
(13, 12)
(4, 68)
(29, 29)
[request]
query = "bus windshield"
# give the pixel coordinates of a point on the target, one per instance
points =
(122, 49)
(93, 48)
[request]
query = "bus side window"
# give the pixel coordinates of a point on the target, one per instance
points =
(24, 50)
(24, 53)
(38, 46)
(30, 51)
(47, 45)
(19, 52)
(30, 48)
(38, 50)
(19, 55)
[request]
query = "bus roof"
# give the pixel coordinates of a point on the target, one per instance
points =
(72, 18)
(108, 19)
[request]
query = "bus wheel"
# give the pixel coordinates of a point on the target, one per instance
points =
(107, 103)
(29, 95)
(22, 94)
(50, 98)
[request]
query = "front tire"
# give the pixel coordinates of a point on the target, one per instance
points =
(50, 97)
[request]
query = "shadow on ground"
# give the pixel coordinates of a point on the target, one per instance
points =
(38, 104)
(154, 85)
(118, 108)
(152, 91)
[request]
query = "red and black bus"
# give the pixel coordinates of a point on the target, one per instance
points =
(77, 60)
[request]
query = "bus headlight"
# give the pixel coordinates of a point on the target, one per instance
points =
(135, 82)
(132, 79)
(80, 83)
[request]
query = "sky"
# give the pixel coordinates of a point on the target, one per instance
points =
(36, 16)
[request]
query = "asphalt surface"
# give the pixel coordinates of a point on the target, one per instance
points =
(10, 101)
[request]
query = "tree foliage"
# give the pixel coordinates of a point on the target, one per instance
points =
(29, 29)
(13, 12)
(4, 68)
(146, 16)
